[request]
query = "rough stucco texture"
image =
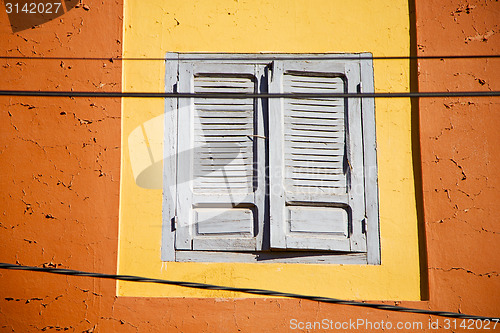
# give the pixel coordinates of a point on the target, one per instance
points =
(461, 154)
(59, 183)
(59, 161)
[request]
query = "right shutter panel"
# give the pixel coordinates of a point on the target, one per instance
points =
(317, 197)
(314, 135)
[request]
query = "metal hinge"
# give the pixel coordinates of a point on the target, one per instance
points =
(174, 223)
(363, 226)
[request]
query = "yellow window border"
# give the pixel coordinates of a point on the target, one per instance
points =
(382, 28)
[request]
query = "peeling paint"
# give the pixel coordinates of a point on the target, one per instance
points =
(59, 183)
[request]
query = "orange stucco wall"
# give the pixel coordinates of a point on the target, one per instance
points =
(460, 146)
(59, 182)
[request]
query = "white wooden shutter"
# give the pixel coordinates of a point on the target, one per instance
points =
(218, 192)
(316, 158)
(170, 160)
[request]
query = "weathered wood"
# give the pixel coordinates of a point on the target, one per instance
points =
(319, 136)
(302, 257)
(169, 163)
(370, 162)
(318, 219)
(215, 221)
(320, 149)
(222, 163)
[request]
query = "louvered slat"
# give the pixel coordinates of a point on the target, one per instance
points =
(314, 135)
(223, 160)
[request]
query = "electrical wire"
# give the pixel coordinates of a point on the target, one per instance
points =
(241, 96)
(264, 56)
(253, 291)
(429, 94)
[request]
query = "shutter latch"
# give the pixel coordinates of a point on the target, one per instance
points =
(256, 136)
(174, 223)
(271, 68)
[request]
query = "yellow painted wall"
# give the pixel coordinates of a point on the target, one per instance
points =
(153, 27)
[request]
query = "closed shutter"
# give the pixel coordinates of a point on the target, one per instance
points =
(316, 158)
(218, 200)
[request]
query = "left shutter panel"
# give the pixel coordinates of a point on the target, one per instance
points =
(169, 160)
(217, 179)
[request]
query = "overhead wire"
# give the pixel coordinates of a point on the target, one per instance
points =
(254, 291)
(241, 96)
(428, 94)
(262, 56)
(258, 57)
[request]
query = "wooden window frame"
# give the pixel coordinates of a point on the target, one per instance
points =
(369, 254)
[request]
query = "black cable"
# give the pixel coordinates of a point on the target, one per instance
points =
(196, 285)
(258, 95)
(264, 56)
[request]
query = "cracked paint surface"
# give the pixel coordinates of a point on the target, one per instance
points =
(461, 154)
(282, 27)
(59, 182)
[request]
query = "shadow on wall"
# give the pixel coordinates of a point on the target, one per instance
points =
(26, 14)
(417, 161)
